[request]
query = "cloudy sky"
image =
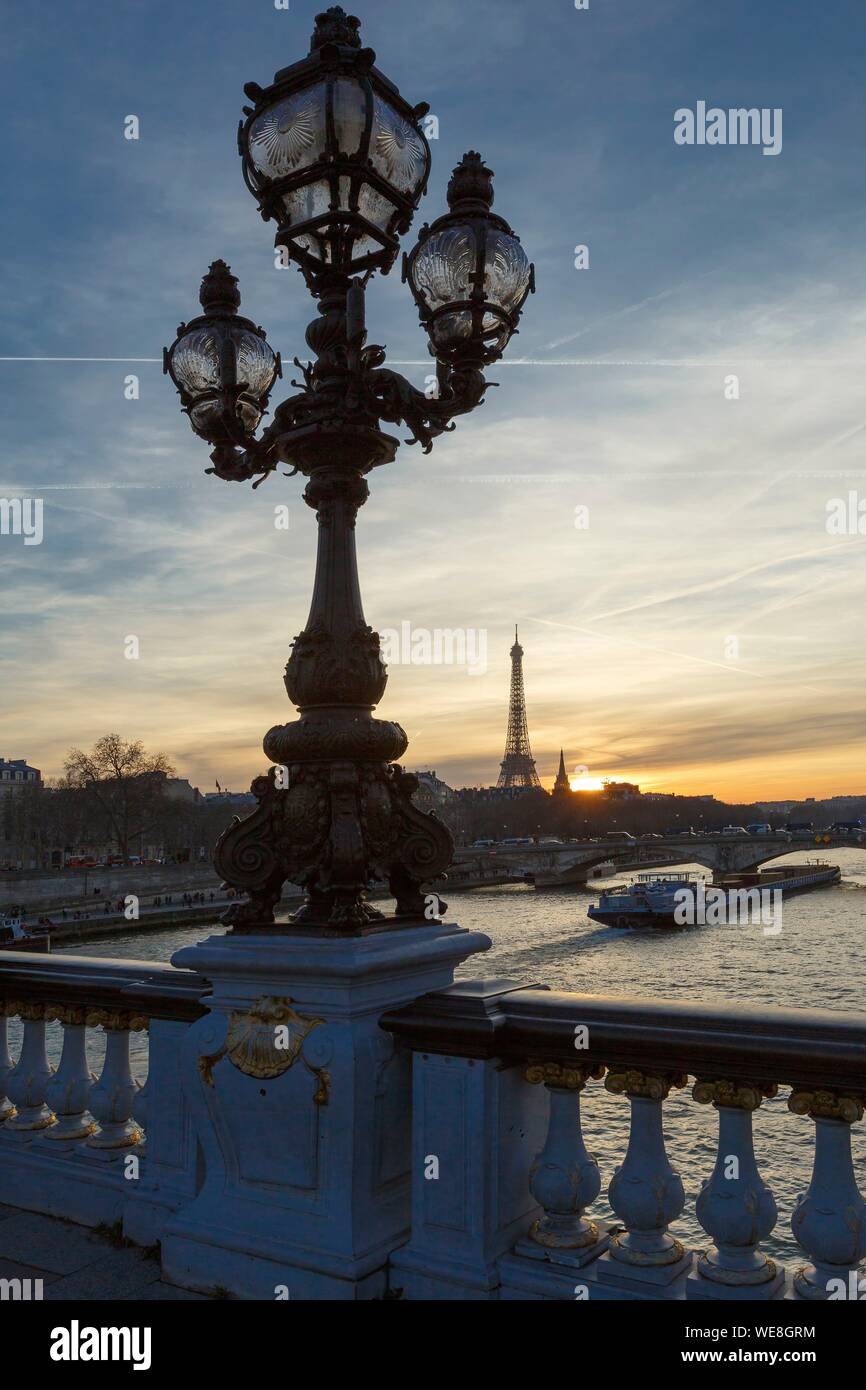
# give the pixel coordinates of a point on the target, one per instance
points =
(703, 632)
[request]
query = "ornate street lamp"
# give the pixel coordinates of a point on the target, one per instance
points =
(221, 364)
(339, 161)
(335, 155)
(469, 274)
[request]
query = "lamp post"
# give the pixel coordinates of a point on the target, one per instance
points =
(339, 161)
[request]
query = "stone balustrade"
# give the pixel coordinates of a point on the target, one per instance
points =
(531, 1040)
(67, 1134)
(492, 1191)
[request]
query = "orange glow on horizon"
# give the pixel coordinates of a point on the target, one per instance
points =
(584, 783)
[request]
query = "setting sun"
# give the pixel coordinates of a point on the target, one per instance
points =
(582, 782)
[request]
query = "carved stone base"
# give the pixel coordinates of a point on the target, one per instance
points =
(301, 1106)
(615, 1273)
(574, 1256)
(700, 1287)
(337, 828)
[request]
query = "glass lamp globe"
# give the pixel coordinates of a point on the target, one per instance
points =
(219, 358)
(469, 273)
(334, 154)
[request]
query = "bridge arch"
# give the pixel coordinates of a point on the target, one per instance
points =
(572, 862)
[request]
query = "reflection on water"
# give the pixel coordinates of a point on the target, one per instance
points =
(546, 938)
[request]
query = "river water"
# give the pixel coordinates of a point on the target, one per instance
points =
(816, 960)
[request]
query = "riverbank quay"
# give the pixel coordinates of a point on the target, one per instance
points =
(176, 915)
(45, 891)
(110, 924)
(418, 1137)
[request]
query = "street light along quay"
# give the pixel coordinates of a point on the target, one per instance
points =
(339, 161)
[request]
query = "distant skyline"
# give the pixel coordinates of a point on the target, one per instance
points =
(691, 620)
(580, 781)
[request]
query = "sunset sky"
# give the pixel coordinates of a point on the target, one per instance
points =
(703, 633)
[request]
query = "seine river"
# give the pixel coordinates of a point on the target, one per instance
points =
(546, 938)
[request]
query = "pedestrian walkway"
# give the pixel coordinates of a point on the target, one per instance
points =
(75, 1262)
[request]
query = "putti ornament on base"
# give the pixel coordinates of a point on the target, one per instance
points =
(340, 161)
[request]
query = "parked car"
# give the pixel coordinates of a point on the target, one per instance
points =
(734, 830)
(799, 827)
(677, 831)
(759, 828)
(618, 835)
(845, 827)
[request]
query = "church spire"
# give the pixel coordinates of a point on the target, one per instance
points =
(562, 783)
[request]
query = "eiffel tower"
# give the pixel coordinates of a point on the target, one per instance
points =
(518, 766)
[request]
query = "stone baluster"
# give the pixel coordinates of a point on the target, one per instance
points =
(7, 1109)
(113, 1097)
(735, 1207)
(28, 1080)
(68, 1091)
(143, 1096)
(564, 1179)
(645, 1191)
(829, 1220)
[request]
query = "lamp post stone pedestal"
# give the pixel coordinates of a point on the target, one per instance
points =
(302, 1107)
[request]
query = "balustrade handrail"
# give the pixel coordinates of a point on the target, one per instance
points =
(749, 1043)
(153, 989)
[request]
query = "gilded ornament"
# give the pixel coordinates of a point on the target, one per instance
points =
(827, 1105)
(29, 1011)
(251, 1044)
(116, 1020)
(642, 1085)
(736, 1095)
(571, 1078)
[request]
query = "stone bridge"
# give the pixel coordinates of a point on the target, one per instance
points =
(552, 866)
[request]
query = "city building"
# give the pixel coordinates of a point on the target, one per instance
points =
(433, 789)
(674, 796)
(621, 791)
(227, 798)
(181, 789)
(497, 793)
(16, 773)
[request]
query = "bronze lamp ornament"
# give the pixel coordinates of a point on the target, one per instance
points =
(339, 161)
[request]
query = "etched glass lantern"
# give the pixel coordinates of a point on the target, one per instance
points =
(468, 273)
(334, 154)
(222, 364)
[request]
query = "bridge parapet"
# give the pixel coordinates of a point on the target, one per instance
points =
(268, 1151)
(500, 1046)
(66, 1135)
(484, 1079)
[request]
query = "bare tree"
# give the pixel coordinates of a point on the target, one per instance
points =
(126, 783)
